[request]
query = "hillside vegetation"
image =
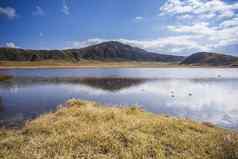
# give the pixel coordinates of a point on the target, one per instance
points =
(14, 54)
(83, 129)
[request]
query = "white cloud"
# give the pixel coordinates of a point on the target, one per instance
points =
(139, 18)
(229, 23)
(199, 7)
(224, 34)
(214, 21)
(65, 8)
(167, 43)
(185, 16)
(80, 44)
(8, 11)
(227, 14)
(10, 45)
(38, 12)
(199, 28)
(208, 16)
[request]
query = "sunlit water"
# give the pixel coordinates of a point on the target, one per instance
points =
(209, 95)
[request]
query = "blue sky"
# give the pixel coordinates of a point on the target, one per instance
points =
(177, 27)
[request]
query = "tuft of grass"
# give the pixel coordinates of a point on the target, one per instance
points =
(83, 129)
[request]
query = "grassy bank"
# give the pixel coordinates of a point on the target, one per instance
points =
(88, 130)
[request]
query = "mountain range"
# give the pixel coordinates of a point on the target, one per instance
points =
(115, 51)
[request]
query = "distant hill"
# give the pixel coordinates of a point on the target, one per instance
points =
(210, 59)
(113, 51)
(118, 51)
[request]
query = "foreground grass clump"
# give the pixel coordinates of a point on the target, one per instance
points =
(83, 129)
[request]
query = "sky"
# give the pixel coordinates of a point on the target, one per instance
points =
(179, 27)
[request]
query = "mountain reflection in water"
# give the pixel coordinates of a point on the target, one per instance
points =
(107, 84)
(1, 105)
(18, 112)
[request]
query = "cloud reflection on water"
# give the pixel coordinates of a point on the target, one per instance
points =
(210, 101)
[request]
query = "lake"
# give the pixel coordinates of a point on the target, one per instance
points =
(201, 94)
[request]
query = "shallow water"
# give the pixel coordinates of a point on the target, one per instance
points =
(201, 94)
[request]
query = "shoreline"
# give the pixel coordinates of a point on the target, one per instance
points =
(97, 64)
(109, 67)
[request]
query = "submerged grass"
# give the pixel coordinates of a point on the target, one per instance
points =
(84, 129)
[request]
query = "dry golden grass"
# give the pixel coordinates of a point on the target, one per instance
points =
(84, 129)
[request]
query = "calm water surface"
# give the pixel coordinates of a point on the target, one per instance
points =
(209, 95)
